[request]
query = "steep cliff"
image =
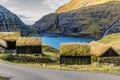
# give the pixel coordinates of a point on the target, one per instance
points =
(11, 22)
(76, 4)
(88, 21)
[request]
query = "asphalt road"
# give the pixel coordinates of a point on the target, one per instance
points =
(15, 72)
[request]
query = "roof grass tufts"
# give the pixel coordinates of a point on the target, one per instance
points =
(29, 41)
(9, 36)
(74, 49)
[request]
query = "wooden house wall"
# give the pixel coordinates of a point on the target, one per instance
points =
(79, 60)
(29, 49)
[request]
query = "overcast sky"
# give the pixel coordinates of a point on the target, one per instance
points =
(32, 10)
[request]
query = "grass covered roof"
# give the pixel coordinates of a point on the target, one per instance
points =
(110, 38)
(115, 44)
(74, 49)
(28, 41)
(9, 36)
(3, 43)
(99, 49)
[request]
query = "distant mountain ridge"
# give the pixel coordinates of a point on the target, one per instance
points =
(10, 22)
(76, 4)
(88, 21)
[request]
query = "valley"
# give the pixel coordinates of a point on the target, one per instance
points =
(78, 40)
(90, 21)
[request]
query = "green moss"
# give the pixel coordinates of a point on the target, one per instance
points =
(74, 49)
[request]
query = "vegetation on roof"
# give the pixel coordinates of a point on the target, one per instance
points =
(110, 38)
(113, 40)
(9, 36)
(3, 43)
(28, 41)
(115, 44)
(98, 49)
(74, 49)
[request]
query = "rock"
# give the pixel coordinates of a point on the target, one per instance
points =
(2, 50)
(10, 22)
(111, 65)
(95, 64)
(89, 21)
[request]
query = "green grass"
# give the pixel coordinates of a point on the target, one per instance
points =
(104, 68)
(99, 68)
(74, 49)
(85, 68)
(50, 52)
(47, 48)
(91, 20)
(110, 38)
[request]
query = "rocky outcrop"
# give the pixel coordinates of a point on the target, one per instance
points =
(2, 50)
(47, 23)
(11, 22)
(89, 21)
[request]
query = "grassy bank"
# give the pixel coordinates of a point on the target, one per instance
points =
(104, 68)
(52, 54)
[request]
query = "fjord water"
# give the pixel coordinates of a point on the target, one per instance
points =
(55, 41)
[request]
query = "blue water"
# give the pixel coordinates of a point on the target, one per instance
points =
(56, 41)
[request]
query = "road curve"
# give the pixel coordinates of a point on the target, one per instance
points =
(15, 72)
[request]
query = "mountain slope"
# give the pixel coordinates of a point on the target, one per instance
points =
(11, 22)
(76, 4)
(90, 21)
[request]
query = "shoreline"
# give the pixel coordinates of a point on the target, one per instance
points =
(65, 35)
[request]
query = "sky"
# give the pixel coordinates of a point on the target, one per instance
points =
(30, 11)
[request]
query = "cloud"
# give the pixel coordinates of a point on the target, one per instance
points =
(32, 10)
(23, 16)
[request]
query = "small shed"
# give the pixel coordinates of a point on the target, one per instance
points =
(3, 46)
(102, 50)
(75, 53)
(26, 45)
(10, 38)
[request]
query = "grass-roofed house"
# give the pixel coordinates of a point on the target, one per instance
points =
(10, 38)
(75, 53)
(28, 45)
(116, 45)
(102, 50)
(3, 46)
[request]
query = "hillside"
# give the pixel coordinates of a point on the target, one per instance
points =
(90, 21)
(76, 4)
(10, 22)
(110, 38)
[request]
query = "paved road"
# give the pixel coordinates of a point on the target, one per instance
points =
(16, 72)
